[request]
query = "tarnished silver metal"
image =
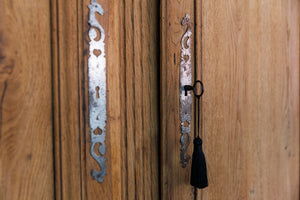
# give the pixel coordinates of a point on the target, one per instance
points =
(185, 100)
(97, 90)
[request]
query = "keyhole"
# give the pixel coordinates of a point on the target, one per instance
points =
(97, 92)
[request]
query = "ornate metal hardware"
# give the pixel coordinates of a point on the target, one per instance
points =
(97, 90)
(185, 97)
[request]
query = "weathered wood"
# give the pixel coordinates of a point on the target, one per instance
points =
(26, 152)
(251, 102)
(141, 81)
(175, 180)
(133, 103)
(67, 70)
(246, 53)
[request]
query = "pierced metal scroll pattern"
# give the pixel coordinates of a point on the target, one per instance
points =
(97, 90)
(185, 101)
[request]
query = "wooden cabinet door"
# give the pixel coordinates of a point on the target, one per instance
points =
(251, 108)
(132, 129)
(44, 128)
(26, 145)
(247, 55)
(246, 52)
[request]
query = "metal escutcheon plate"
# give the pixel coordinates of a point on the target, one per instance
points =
(97, 90)
(185, 100)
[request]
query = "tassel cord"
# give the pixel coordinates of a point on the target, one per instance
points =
(198, 117)
(198, 168)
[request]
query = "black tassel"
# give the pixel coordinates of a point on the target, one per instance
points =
(199, 172)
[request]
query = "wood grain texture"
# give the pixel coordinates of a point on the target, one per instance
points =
(175, 180)
(133, 102)
(26, 152)
(67, 101)
(141, 81)
(251, 103)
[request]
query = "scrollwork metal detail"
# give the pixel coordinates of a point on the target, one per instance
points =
(185, 100)
(97, 90)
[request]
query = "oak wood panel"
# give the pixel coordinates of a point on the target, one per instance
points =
(132, 100)
(133, 108)
(72, 137)
(26, 151)
(251, 103)
(175, 180)
(141, 81)
(67, 101)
